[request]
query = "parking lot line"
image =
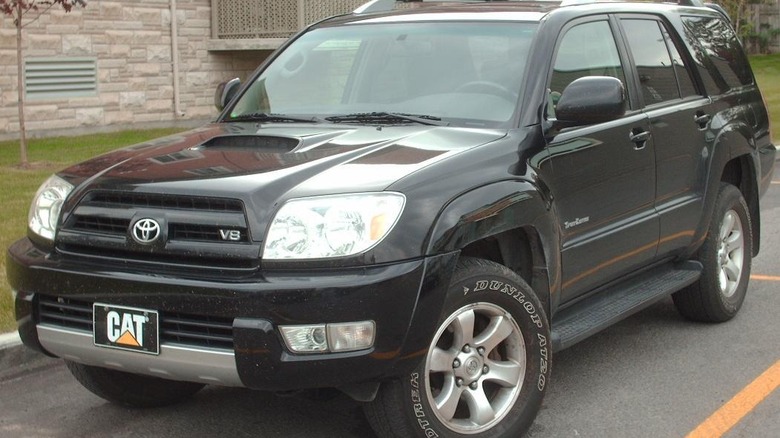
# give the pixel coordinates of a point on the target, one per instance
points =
(765, 277)
(740, 405)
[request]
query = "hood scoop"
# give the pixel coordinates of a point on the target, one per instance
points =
(263, 143)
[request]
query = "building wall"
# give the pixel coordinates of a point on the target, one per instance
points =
(132, 43)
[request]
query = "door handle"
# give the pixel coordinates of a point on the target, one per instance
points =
(701, 119)
(639, 137)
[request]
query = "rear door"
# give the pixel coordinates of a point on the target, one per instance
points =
(680, 117)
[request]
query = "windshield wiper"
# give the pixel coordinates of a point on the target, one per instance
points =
(270, 117)
(387, 117)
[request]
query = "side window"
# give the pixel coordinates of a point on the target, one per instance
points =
(652, 60)
(715, 40)
(683, 73)
(587, 49)
(662, 72)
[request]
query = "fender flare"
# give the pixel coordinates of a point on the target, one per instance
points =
(732, 142)
(474, 215)
(497, 208)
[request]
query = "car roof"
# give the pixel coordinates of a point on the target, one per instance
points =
(533, 10)
(455, 11)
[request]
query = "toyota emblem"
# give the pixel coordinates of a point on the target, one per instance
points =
(146, 231)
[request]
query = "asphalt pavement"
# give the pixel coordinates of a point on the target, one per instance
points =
(652, 375)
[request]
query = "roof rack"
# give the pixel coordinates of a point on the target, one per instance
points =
(389, 5)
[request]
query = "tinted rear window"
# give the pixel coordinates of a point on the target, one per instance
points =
(720, 45)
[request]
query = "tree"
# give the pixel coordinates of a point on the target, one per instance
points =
(32, 9)
(738, 12)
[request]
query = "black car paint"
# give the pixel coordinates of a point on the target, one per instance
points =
(462, 186)
(392, 295)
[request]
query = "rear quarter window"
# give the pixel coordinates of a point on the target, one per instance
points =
(729, 67)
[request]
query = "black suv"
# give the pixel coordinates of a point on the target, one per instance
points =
(414, 206)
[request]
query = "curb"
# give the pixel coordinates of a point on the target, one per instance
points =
(9, 341)
(13, 353)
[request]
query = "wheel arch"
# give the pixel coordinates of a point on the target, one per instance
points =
(734, 160)
(741, 172)
(510, 223)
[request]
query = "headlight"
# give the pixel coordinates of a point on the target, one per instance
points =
(46, 207)
(332, 226)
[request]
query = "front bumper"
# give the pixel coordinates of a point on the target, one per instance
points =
(403, 299)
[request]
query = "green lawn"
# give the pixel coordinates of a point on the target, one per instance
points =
(767, 71)
(18, 186)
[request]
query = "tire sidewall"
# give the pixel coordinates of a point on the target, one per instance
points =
(730, 199)
(494, 286)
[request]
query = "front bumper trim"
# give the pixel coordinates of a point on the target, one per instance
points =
(208, 366)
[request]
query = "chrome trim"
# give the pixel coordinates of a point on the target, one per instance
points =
(175, 362)
(375, 6)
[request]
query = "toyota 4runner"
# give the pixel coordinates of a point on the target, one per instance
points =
(415, 206)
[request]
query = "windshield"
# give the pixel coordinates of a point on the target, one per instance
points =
(465, 73)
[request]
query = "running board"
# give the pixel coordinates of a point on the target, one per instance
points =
(590, 316)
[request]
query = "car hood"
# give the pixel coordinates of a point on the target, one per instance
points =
(267, 163)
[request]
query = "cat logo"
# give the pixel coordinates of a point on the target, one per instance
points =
(126, 328)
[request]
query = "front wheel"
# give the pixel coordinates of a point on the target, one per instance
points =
(486, 370)
(132, 390)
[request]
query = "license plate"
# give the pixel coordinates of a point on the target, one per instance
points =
(126, 328)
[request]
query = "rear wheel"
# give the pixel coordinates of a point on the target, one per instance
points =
(132, 390)
(486, 369)
(726, 255)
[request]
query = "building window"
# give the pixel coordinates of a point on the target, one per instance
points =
(57, 78)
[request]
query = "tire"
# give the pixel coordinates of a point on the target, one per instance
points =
(132, 390)
(486, 370)
(726, 255)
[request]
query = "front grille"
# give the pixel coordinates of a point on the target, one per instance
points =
(105, 225)
(175, 328)
(100, 226)
(149, 200)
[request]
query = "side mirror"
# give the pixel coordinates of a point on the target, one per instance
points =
(589, 100)
(225, 92)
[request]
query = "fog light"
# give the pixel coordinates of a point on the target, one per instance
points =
(305, 338)
(351, 336)
(323, 338)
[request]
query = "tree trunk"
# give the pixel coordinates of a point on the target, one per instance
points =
(20, 87)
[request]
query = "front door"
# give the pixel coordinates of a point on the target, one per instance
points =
(603, 181)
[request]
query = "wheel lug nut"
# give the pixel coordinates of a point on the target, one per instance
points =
(473, 385)
(459, 382)
(485, 369)
(467, 348)
(456, 363)
(481, 351)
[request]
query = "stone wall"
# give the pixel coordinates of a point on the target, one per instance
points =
(132, 43)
